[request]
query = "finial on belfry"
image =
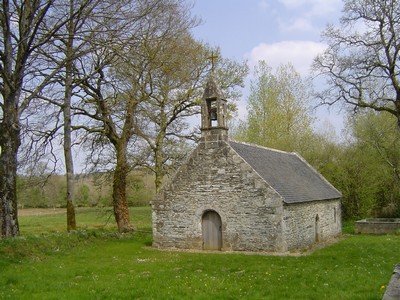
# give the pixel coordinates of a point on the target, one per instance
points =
(213, 59)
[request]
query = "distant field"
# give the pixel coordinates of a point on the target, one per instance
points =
(43, 221)
(40, 211)
(95, 262)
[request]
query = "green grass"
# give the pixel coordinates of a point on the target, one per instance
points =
(96, 263)
(86, 218)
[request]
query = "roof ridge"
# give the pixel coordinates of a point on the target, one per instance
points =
(262, 147)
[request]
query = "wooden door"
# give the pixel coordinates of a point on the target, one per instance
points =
(212, 231)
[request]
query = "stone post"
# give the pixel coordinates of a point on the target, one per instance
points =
(393, 288)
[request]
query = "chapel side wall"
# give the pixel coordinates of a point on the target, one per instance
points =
(299, 222)
(216, 178)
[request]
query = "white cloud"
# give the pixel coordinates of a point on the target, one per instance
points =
(305, 16)
(291, 4)
(314, 7)
(263, 5)
(296, 25)
(298, 53)
(325, 7)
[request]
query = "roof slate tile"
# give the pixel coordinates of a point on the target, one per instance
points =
(289, 174)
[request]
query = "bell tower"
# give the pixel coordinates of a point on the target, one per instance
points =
(213, 113)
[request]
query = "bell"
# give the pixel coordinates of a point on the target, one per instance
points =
(213, 114)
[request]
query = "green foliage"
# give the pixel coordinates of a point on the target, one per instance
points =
(82, 195)
(95, 263)
(90, 190)
(372, 165)
(366, 168)
(278, 113)
(41, 191)
(140, 189)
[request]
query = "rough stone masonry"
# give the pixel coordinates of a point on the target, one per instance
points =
(260, 199)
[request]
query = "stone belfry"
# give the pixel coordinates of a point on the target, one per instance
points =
(213, 113)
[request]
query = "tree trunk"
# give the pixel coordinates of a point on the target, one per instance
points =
(9, 143)
(159, 167)
(120, 203)
(158, 150)
(398, 122)
(69, 164)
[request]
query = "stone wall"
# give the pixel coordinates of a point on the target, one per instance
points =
(393, 289)
(378, 226)
(216, 178)
(308, 222)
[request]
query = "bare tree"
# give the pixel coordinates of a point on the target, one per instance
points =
(88, 20)
(69, 163)
(74, 43)
(25, 26)
(109, 100)
(178, 73)
(361, 63)
(176, 65)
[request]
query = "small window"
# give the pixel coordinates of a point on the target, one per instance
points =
(334, 214)
(212, 112)
(317, 237)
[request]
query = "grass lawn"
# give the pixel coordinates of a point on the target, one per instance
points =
(96, 263)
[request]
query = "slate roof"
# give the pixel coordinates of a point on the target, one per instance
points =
(289, 174)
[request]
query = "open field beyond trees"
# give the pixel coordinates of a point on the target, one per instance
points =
(96, 262)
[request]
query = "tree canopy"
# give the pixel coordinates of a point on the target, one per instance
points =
(361, 63)
(124, 73)
(278, 110)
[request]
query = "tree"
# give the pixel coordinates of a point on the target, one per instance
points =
(378, 143)
(178, 69)
(25, 26)
(278, 114)
(71, 32)
(176, 66)
(72, 43)
(116, 80)
(364, 166)
(361, 63)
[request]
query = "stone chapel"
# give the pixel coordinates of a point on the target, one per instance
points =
(235, 196)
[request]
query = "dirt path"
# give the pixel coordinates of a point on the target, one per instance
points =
(22, 212)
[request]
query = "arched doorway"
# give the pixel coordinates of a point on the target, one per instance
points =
(212, 230)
